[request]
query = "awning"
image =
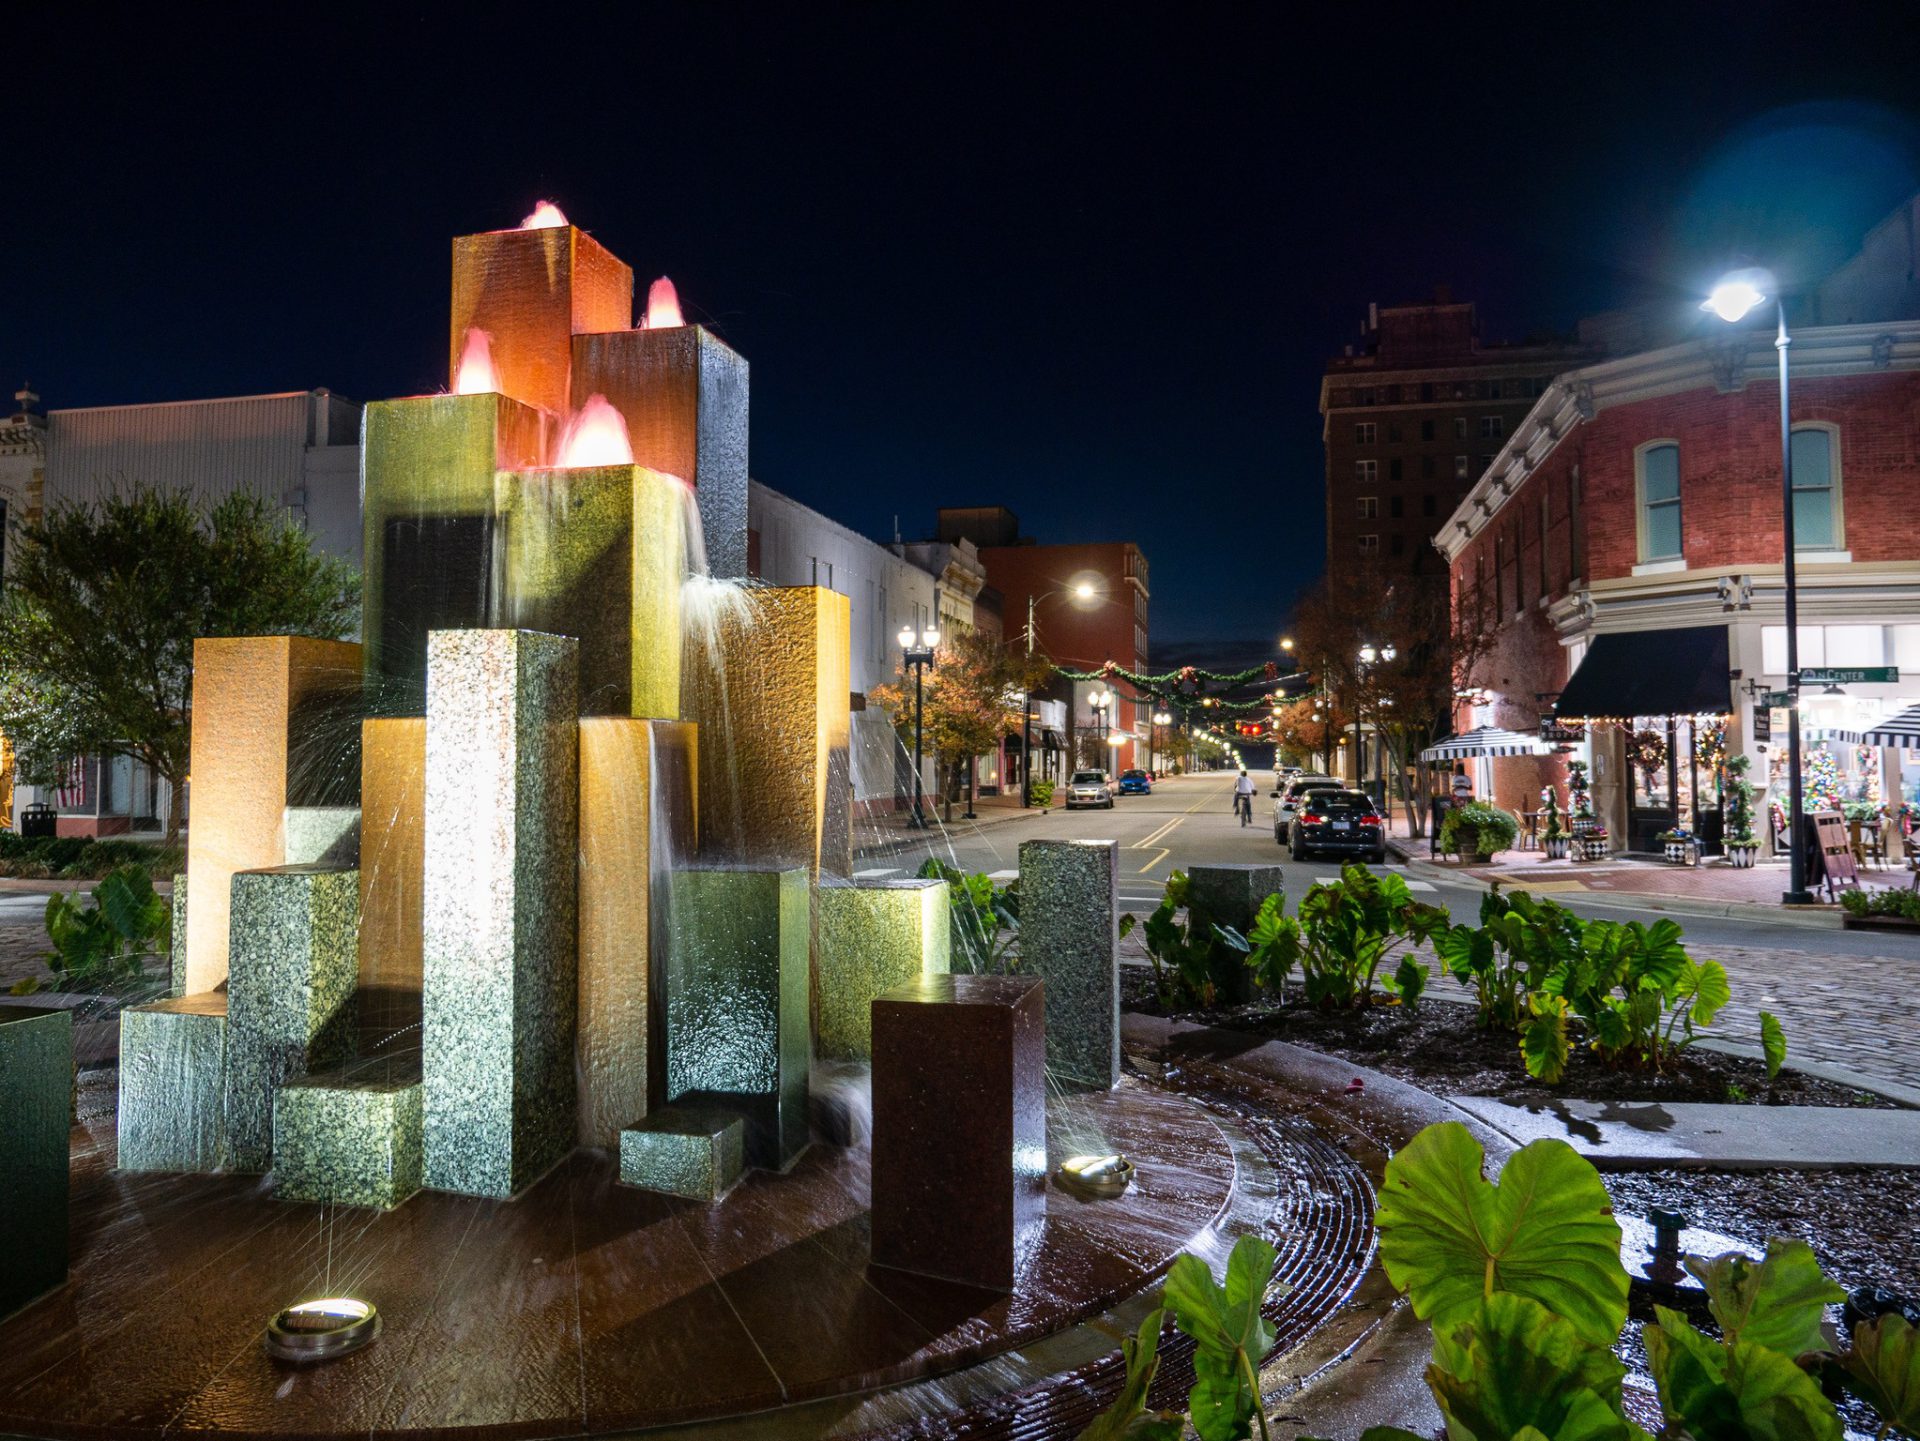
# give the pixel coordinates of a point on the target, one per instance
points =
(1901, 730)
(1650, 673)
(1050, 739)
(1485, 741)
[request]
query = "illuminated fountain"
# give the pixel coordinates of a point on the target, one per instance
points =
(544, 891)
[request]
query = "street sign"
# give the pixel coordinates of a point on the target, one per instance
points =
(1770, 699)
(1852, 675)
(1762, 725)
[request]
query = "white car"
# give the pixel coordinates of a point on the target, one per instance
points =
(1287, 804)
(1089, 788)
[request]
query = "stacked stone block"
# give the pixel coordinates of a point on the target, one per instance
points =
(173, 1099)
(871, 937)
(1070, 938)
(36, 1110)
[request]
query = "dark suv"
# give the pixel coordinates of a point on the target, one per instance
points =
(1339, 821)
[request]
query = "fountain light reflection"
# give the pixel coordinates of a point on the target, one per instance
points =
(596, 434)
(546, 216)
(475, 374)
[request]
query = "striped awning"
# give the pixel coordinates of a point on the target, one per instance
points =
(1901, 730)
(1485, 741)
(1833, 735)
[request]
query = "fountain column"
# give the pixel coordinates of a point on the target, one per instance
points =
(36, 1067)
(499, 937)
(393, 857)
(1070, 938)
(872, 936)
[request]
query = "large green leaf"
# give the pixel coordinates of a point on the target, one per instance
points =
(1773, 1044)
(1883, 1369)
(1230, 1334)
(1741, 1392)
(1450, 1239)
(1544, 1042)
(1777, 1303)
(1703, 990)
(1517, 1365)
(1128, 1419)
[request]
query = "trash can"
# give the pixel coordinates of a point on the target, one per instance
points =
(38, 822)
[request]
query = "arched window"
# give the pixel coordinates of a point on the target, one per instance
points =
(1816, 488)
(1658, 467)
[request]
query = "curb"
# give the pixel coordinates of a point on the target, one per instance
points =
(1823, 919)
(958, 830)
(1908, 1096)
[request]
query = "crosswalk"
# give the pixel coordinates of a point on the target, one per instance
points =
(1126, 896)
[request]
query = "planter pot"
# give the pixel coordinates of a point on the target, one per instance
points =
(1557, 848)
(1680, 853)
(1593, 850)
(1742, 856)
(1479, 858)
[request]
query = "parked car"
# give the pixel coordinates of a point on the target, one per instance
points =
(1135, 782)
(1088, 788)
(1340, 821)
(1289, 800)
(1283, 775)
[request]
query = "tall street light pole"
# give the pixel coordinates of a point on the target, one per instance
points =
(1731, 300)
(919, 659)
(1082, 591)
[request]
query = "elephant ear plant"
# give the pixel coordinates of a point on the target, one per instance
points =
(1344, 938)
(1526, 1292)
(1193, 959)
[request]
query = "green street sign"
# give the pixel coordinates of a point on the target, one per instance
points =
(1854, 675)
(1770, 699)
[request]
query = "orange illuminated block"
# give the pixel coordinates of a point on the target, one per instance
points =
(683, 393)
(393, 859)
(532, 291)
(636, 799)
(274, 724)
(771, 700)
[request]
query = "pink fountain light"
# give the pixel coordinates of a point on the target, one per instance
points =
(596, 434)
(663, 306)
(475, 374)
(546, 216)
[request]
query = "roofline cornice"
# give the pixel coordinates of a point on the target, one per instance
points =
(1727, 365)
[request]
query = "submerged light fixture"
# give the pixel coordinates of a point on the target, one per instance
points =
(322, 1330)
(1094, 1178)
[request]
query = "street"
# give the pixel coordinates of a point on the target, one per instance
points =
(1840, 994)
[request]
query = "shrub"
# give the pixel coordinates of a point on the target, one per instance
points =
(106, 945)
(1904, 904)
(1043, 793)
(1521, 941)
(1193, 966)
(1344, 935)
(82, 858)
(1478, 828)
(1527, 1295)
(984, 918)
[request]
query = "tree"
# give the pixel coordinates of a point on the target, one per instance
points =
(974, 693)
(104, 601)
(1299, 734)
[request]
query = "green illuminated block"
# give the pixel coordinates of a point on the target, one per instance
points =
(499, 957)
(693, 1151)
(428, 468)
(736, 1005)
(597, 553)
(36, 1113)
(871, 937)
(352, 1136)
(295, 962)
(173, 1097)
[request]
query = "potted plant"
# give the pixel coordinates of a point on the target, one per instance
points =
(1589, 840)
(1680, 845)
(1552, 834)
(1478, 831)
(1737, 806)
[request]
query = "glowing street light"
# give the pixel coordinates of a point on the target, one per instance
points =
(919, 659)
(1732, 300)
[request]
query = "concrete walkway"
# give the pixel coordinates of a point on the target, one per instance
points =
(1632, 1135)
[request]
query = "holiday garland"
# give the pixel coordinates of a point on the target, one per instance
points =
(1189, 680)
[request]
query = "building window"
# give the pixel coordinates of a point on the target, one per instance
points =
(1658, 464)
(1369, 545)
(1369, 506)
(1426, 430)
(1426, 393)
(1460, 471)
(1365, 432)
(1395, 506)
(1366, 471)
(1499, 576)
(1816, 488)
(1491, 427)
(1573, 524)
(1428, 505)
(1426, 467)
(1546, 504)
(1393, 468)
(1459, 427)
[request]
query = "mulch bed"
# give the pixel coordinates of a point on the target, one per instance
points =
(1440, 1047)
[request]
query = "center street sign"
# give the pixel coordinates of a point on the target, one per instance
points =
(1854, 675)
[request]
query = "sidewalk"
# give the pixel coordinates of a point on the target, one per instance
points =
(1712, 888)
(883, 835)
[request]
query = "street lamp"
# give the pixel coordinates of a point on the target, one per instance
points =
(1732, 299)
(1102, 703)
(1369, 656)
(1160, 718)
(1085, 592)
(919, 659)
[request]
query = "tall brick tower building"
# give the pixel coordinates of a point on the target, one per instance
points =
(1412, 416)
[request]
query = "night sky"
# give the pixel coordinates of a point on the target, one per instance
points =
(1087, 265)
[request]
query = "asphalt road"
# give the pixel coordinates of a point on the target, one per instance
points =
(1189, 820)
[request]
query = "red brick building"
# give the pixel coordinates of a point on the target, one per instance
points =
(1622, 554)
(1079, 631)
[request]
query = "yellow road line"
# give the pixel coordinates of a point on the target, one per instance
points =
(1154, 862)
